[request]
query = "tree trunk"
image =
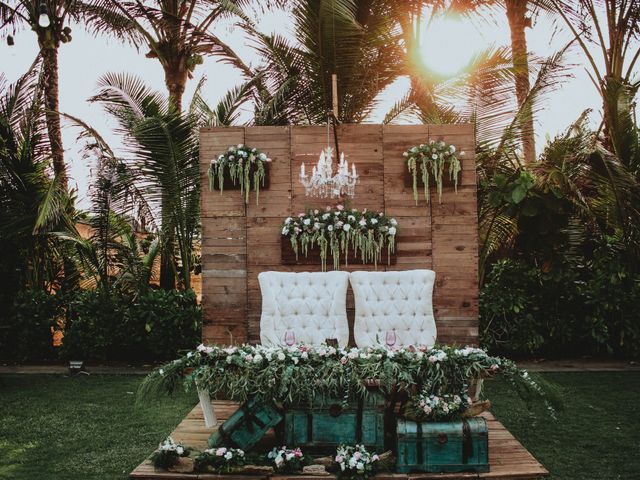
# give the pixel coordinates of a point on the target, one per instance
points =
(518, 22)
(176, 79)
(167, 265)
(50, 64)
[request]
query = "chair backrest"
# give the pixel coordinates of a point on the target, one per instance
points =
(311, 304)
(394, 301)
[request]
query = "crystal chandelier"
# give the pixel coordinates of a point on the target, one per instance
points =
(323, 183)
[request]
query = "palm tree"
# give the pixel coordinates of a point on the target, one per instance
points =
(32, 204)
(176, 32)
(611, 28)
(355, 39)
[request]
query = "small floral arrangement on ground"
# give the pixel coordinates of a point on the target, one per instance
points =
(355, 462)
(286, 460)
(243, 164)
(431, 159)
(340, 230)
(168, 454)
(220, 460)
(446, 406)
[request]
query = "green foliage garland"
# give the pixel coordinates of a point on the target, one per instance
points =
(431, 159)
(302, 374)
(243, 164)
(340, 230)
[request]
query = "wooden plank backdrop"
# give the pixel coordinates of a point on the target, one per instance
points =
(240, 241)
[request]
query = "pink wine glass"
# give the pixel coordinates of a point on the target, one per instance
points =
(390, 338)
(290, 337)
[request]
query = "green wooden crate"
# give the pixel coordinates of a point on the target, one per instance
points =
(246, 426)
(443, 446)
(322, 426)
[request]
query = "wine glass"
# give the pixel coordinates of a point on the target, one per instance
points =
(390, 338)
(289, 337)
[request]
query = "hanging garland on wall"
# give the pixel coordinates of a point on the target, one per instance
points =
(341, 230)
(243, 165)
(431, 160)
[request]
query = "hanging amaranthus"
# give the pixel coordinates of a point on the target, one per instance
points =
(242, 164)
(340, 231)
(431, 160)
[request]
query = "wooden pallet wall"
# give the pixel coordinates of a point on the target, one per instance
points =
(239, 241)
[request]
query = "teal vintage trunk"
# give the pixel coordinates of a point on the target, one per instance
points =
(322, 426)
(246, 426)
(443, 446)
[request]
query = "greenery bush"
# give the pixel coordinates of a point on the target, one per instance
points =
(570, 308)
(100, 325)
(25, 326)
(154, 325)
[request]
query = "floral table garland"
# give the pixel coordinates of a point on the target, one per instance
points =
(243, 164)
(340, 230)
(301, 373)
(431, 159)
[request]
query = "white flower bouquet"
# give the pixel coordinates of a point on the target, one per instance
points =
(286, 460)
(355, 462)
(430, 160)
(168, 454)
(341, 230)
(242, 164)
(220, 460)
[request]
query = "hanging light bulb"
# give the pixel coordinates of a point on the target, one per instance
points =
(43, 15)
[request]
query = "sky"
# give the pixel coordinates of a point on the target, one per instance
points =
(447, 44)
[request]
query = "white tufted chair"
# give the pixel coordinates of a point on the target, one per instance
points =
(312, 304)
(398, 301)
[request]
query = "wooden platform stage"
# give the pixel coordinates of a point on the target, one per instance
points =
(508, 458)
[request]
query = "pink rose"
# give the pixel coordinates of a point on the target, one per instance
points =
(340, 207)
(344, 360)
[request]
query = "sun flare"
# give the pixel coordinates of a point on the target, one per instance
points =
(448, 43)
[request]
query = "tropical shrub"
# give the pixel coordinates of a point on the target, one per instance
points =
(26, 327)
(574, 307)
(104, 325)
(169, 321)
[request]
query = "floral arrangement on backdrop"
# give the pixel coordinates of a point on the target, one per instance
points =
(341, 230)
(244, 165)
(431, 159)
(355, 462)
(302, 373)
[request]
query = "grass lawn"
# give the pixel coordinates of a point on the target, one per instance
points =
(596, 437)
(62, 428)
(74, 428)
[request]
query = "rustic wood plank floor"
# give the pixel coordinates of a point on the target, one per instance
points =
(508, 458)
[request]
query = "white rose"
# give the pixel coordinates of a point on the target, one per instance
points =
(179, 450)
(452, 149)
(346, 227)
(362, 222)
(262, 156)
(240, 145)
(393, 221)
(374, 221)
(330, 228)
(228, 455)
(307, 221)
(257, 358)
(434, 156)
(288, 221)
(392, 230)
(281, 356)
(285, 230)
